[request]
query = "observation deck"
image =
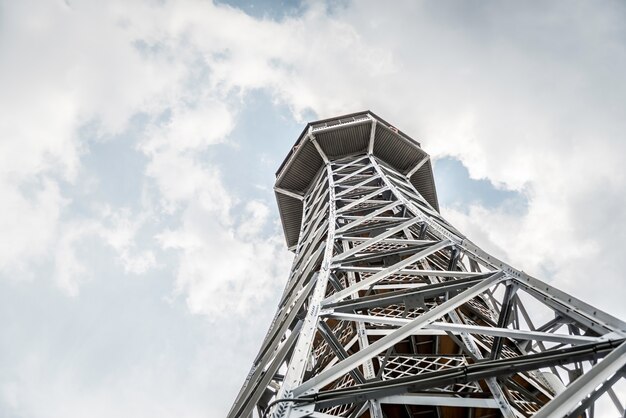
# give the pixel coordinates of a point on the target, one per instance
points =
(330, 139)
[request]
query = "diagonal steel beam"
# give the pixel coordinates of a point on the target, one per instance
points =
(367, 217)
(386, 299)
(354, 173)
(378, 238)
(338, 349)
(356, 186)
(605, 387)
(463, 328)
(383, 273)
(359, 358)
(566, 401)
(254, 390)
(468, 373)
(503, 319)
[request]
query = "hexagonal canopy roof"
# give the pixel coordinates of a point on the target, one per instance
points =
(338, 137)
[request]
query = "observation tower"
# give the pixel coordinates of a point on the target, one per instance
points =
(390, 311)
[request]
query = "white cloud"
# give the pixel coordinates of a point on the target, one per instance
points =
(39, 388)
(63, 67)
(541, 97)
(28, 225)
(227, 270)
(69, 271)
(180, 178)
(66, 66)
(530, 99)
(119, 60)
(190, 127)
(117, 229)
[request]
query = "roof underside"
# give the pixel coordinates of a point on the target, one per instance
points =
(339, 137)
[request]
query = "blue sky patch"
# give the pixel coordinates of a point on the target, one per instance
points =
(455, 188)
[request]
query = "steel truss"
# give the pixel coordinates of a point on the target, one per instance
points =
(389, 311)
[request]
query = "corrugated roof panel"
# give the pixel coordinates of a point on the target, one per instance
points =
(422, 180)
(291, 217)
(302, 170)
(339, 142)
(396, 151)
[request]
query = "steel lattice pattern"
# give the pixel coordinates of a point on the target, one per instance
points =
(390, 311)
(323, 353)
(405, 366)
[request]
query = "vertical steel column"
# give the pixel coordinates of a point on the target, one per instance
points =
(301, 356)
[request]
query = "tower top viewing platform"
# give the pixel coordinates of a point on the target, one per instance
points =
(331, 139)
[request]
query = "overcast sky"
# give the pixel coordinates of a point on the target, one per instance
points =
(141, 255)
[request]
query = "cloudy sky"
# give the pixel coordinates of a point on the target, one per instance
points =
(141, 256)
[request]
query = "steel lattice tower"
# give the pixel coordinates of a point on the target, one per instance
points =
(389, 311)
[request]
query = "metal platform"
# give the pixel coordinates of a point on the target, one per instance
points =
(337, 138)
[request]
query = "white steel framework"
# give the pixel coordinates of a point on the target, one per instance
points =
(389, 311)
